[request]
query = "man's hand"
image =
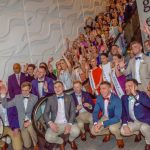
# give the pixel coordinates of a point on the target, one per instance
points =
(79, 107)
(127, 130)
(53, 126)
(3, 89)
(27, 123)
(97, 127)
(86, 105)
(15, 132)
(67, 129)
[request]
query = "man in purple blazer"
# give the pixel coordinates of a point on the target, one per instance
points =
(14, 88)
(84, 108)
(43, 85)
(136, 112)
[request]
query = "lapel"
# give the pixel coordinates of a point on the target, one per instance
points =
(36, 85)
(65, 105)
(29, 103)
(22, 103)
(75, 99)
(110, 102)
(142, 61)
(15, 79)
(55, 104)
(134, 67)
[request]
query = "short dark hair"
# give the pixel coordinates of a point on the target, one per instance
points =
(32, 65)
(118, 56)
(104, 54)
(133, 80)
(42, 67)
(106, 83)
(58, 81)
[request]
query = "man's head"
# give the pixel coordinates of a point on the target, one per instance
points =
(115, 49)
(104, 58)
(30, 69)
(131, 84)
(147, 45)
(17, 68)
(58, 88)
(77, 86)
(26, 88)
(105, 88)
(41, 72)
(136, 47)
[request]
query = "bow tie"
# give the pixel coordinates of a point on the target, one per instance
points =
(107, 99)
(26, 97)
(137, 58)
(40, 81)
(60, 97)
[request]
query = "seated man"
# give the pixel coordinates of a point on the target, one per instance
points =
(111, 107)
(84, 107)
(136, 112)
(7, 131)
(24, 103)
(62, 110)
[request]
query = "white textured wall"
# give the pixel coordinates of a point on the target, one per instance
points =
(33, 30)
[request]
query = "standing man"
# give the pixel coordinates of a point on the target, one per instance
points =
(62, 110)
(139, 66)
(111, 107)
(84, 108)
(43, 85)
(24, 103)
(136, 112)
(14, 87)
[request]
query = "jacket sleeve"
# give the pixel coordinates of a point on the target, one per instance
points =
(72, 111)
(96, 111)
(124, 112)
(117, 114)
(144, 99)
(47, 111)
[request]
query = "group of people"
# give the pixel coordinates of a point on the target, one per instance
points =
(121, 85)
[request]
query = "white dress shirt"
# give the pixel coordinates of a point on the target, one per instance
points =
(79, 98)
(132, 101)
(25, 101)
(137, 68)
(40, 88)
(61, 117)
(18, 78)
(106, 102)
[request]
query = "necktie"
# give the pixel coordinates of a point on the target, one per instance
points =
(78, 95)
(18, 79)
(137, 58)
(60, 97)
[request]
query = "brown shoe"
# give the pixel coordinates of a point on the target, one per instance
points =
(106, 138)
(137, 138)
(62, 146)
(83, 136)
(147, 147)
(73, 145)
(91, 135)
(120, 143)
(36, 147)
(5, 147)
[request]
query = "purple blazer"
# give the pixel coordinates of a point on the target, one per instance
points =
(14, 89)
(50, 87)
(87, 99)
(141, 108)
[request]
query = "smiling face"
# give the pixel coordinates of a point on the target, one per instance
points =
(16, 68)
(105, 90)
(58, 88)
(136, 48)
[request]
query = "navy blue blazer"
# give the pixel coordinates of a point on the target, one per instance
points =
(141, 108)
(114, 110)
(87, 99)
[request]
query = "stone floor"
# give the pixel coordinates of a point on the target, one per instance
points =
(97, 144)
